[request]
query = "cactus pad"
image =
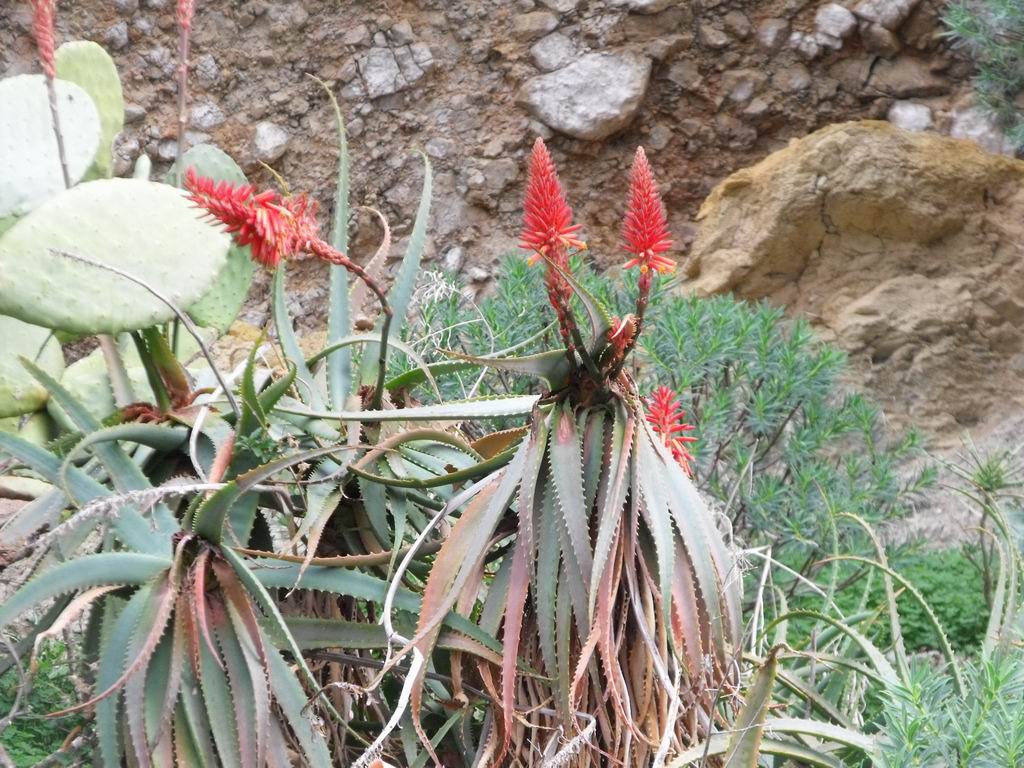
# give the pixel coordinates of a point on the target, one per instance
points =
(30, 169)
(88, 381)
(146, 229)
(220, 305)
(37, 428)
(19, 392)
(88, 66)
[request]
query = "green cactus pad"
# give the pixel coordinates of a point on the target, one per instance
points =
(88, 381)
(220, 305)
(37, 428)
(88, 66)
(30, 169)
(146, 229)
(19, 392)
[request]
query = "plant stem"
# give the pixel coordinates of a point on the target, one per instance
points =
(323, 251)
(51, 88)
(183, 49)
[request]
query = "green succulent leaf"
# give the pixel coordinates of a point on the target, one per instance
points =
(145, 229)
(105, 568)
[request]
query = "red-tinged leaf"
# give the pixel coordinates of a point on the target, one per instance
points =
(458, 557)
(690, 630)
(179, 652)
(242, 690)
(546, 577)
(215, 706)
(715, 570)
(567, 471)
(466, 545)
(612, 498)
(251, 641)
(607, 651)
(151, 627)
(656, 513)
(202, 612)
(519, 579)
(254, 656)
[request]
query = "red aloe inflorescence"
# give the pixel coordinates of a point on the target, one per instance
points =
(645, 230)
(273, 227)
(667, 417)
(43, 12)
(548, 231)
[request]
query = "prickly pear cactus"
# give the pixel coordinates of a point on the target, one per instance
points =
(88, 66)
(30, 169)
(37, 428)
(220, 305)
(146, 229)
(88, 381)
(19, 392)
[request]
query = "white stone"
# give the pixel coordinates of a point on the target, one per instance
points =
(271, 141)
(530, 26)
(644, 6)
(878, 39)
(401, 33)
(977, 125)
(117, 36)
(206, 116)
(207, 70)
(910, 116)
(592, 98)
(805, 45)
(381, 73)
(454, 258)
(358, 35)
(772, 34)
(889, 13)
(835, 21)
(553, 52)
(560, 6)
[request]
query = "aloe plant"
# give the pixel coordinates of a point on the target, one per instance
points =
(323, 559)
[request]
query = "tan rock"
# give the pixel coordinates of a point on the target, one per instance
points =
(902, 247)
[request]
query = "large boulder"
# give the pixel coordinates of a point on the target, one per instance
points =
(597, 95)
(904, 248)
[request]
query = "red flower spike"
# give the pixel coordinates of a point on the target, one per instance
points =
(645, 230)
(43, 12)
(547, 217)
(186, 8)
(667, 417)
(274, 228)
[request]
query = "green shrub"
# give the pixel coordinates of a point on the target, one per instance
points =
(947, 579)
(30, 739)
(780, 443)
(926, 723)
(993, 33)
